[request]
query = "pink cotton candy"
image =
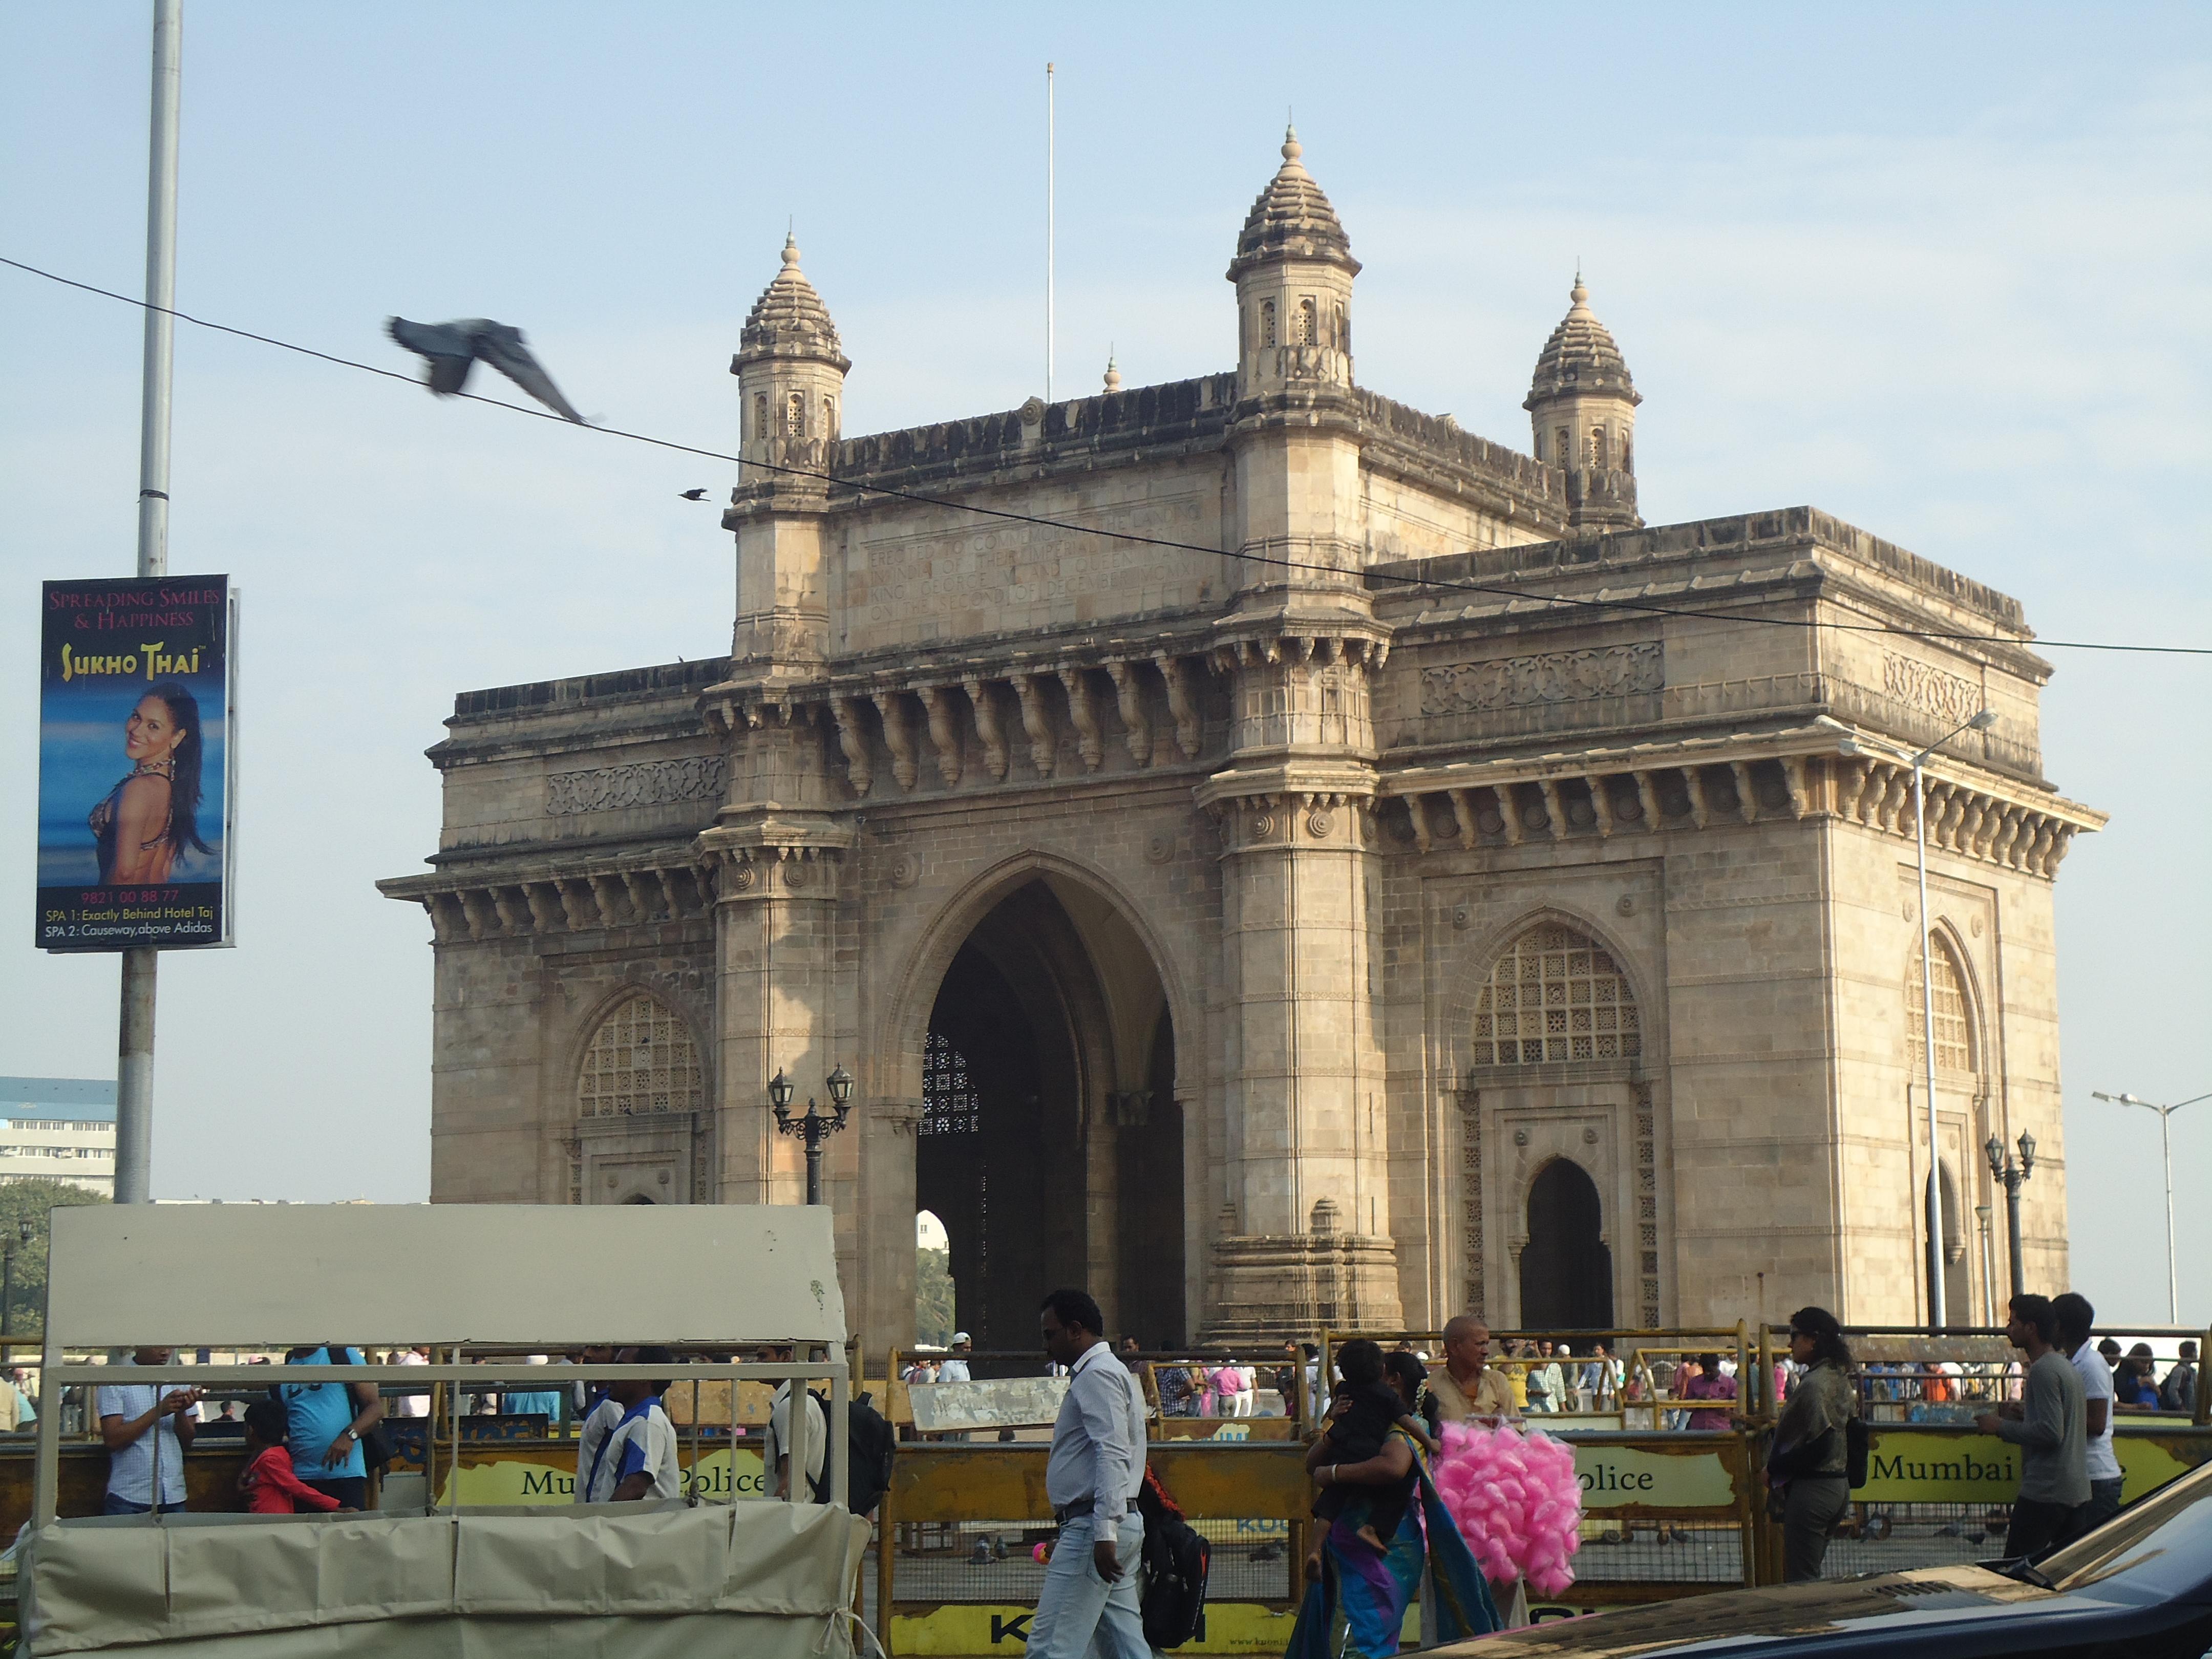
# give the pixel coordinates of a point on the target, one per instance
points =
(1517, 1502)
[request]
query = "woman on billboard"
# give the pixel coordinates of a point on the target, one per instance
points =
(152, 815)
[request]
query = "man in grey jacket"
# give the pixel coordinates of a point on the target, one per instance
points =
(2050, 1427)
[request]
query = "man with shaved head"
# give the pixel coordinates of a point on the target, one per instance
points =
(1464, 1385)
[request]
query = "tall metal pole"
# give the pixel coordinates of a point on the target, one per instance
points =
(1051, 170)
(2013, 1177)
(1937, 1311)
(2166, 1146)
(813, 1166)
(134, 1062)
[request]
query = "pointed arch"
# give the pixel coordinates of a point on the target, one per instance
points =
(639, 1056)
(903, 1030)
(1566, 1266)
(1555, 993)
(1959, 1049)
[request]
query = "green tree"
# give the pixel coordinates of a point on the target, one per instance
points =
(28, 1200)
(932, 1297)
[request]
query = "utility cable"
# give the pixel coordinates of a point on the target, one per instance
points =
(1438, 584)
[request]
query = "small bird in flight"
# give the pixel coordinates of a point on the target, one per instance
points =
(694, 495)
(450, 350)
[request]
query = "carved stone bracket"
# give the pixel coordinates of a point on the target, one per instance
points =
(1036, 720)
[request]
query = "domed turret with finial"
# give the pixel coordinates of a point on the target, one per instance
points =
(791, 371)
(1293, 272)
(1581, 408)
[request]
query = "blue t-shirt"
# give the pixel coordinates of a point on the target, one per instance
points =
(520, 1405)
(317, 1414)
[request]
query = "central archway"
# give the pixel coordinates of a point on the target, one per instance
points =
(1050, 1143)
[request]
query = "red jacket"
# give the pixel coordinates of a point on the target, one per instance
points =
(272, 1488)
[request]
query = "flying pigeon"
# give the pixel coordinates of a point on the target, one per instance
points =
(450, 350)
(694, 495)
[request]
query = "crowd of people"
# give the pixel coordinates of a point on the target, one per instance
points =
(315, 1446)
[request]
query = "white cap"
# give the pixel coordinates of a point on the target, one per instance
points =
(958, 1336)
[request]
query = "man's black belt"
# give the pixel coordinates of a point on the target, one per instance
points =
(1067, 1512)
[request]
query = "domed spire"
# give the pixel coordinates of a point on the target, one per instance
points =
(1581, 356)
(1293, 219)
(789, 319)
(1113, 374)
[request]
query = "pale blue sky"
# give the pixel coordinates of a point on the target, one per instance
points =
(1941, 272)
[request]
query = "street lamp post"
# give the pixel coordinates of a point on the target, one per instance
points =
(814, 1126)
(2166, 1146)
(2011, 1176)
(1851, 746)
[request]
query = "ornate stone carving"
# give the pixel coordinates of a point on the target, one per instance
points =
(944, 732)
(1088, 742)
(984, 701)
(1036, 720)
(905, 870)
(1946, 696)
(898, 738)
(1129, 694)
(855, 743)
(645, 783)
(1553, 676)
(1180, 704)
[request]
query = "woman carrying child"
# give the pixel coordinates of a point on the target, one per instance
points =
(1388, 1524)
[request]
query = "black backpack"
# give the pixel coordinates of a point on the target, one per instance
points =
(1171, 1600)
(1855, 1451)
(868, 1455)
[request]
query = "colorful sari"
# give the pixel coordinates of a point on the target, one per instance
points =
(1372, 1591)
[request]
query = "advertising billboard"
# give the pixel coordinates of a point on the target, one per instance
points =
(137, 708)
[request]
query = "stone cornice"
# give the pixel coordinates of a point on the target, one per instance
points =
(542, 895)
(1699, 782)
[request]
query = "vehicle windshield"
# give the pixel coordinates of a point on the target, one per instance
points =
(2165, 1538)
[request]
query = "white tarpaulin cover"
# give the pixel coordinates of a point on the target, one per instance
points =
(538, 1276)
(766, 1581)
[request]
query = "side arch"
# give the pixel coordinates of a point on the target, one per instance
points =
(594, 1019)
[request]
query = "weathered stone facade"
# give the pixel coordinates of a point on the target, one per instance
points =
(1286, 860)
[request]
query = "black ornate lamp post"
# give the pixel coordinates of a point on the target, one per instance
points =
(8, 1275)
(814, 1127)
(2011, 1175)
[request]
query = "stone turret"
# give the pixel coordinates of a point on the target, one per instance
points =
(1582, 407)
(1293, 272)
(791, 376)
(791, 371)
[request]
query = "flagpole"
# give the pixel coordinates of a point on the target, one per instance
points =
(1051, 164)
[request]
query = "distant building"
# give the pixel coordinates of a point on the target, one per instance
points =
(61, 1128)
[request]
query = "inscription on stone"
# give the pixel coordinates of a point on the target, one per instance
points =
(647, 783)
(1554, 676)
(1931, 689)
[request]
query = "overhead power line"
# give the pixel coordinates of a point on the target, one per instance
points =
(1436, 584)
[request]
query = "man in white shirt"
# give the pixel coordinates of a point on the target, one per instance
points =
(1089, 1601)
(143, 1427)
(411, 1405)
(954, 1367)
(2076, 1319)
(597, 1413)
(638, 1459)
(775, 1459)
